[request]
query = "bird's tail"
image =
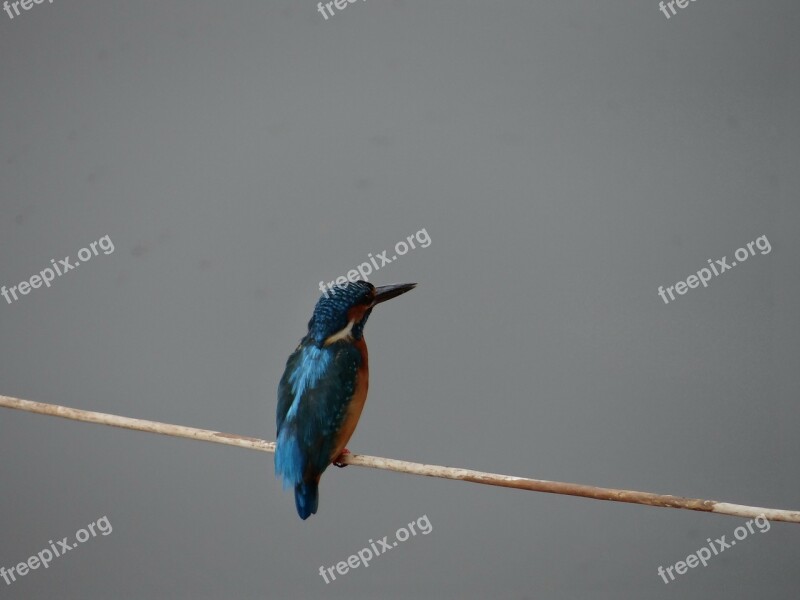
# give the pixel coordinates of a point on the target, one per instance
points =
(306, 498)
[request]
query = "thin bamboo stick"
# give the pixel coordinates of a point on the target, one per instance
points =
(401, 466)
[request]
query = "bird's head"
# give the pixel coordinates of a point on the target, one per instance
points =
(343, 311)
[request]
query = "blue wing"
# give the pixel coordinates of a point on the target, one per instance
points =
(313, 397)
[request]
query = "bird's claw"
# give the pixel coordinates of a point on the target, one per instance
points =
(338, 461)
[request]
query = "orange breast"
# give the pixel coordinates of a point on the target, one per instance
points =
(356, 404)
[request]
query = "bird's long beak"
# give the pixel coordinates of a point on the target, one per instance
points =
(387, 292)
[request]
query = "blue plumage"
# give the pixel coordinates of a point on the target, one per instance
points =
(323, 389)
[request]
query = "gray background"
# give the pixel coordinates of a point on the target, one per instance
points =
(566, 159)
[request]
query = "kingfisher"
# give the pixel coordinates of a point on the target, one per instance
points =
(324, 387)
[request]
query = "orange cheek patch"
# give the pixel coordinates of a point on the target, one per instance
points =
(357, 313)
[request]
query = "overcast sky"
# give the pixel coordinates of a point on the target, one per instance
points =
(564, 160)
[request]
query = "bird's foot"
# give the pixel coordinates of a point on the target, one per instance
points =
(338, 461)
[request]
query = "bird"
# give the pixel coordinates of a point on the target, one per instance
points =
(324, 387)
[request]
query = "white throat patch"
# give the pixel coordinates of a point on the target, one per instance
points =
(345, 333)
